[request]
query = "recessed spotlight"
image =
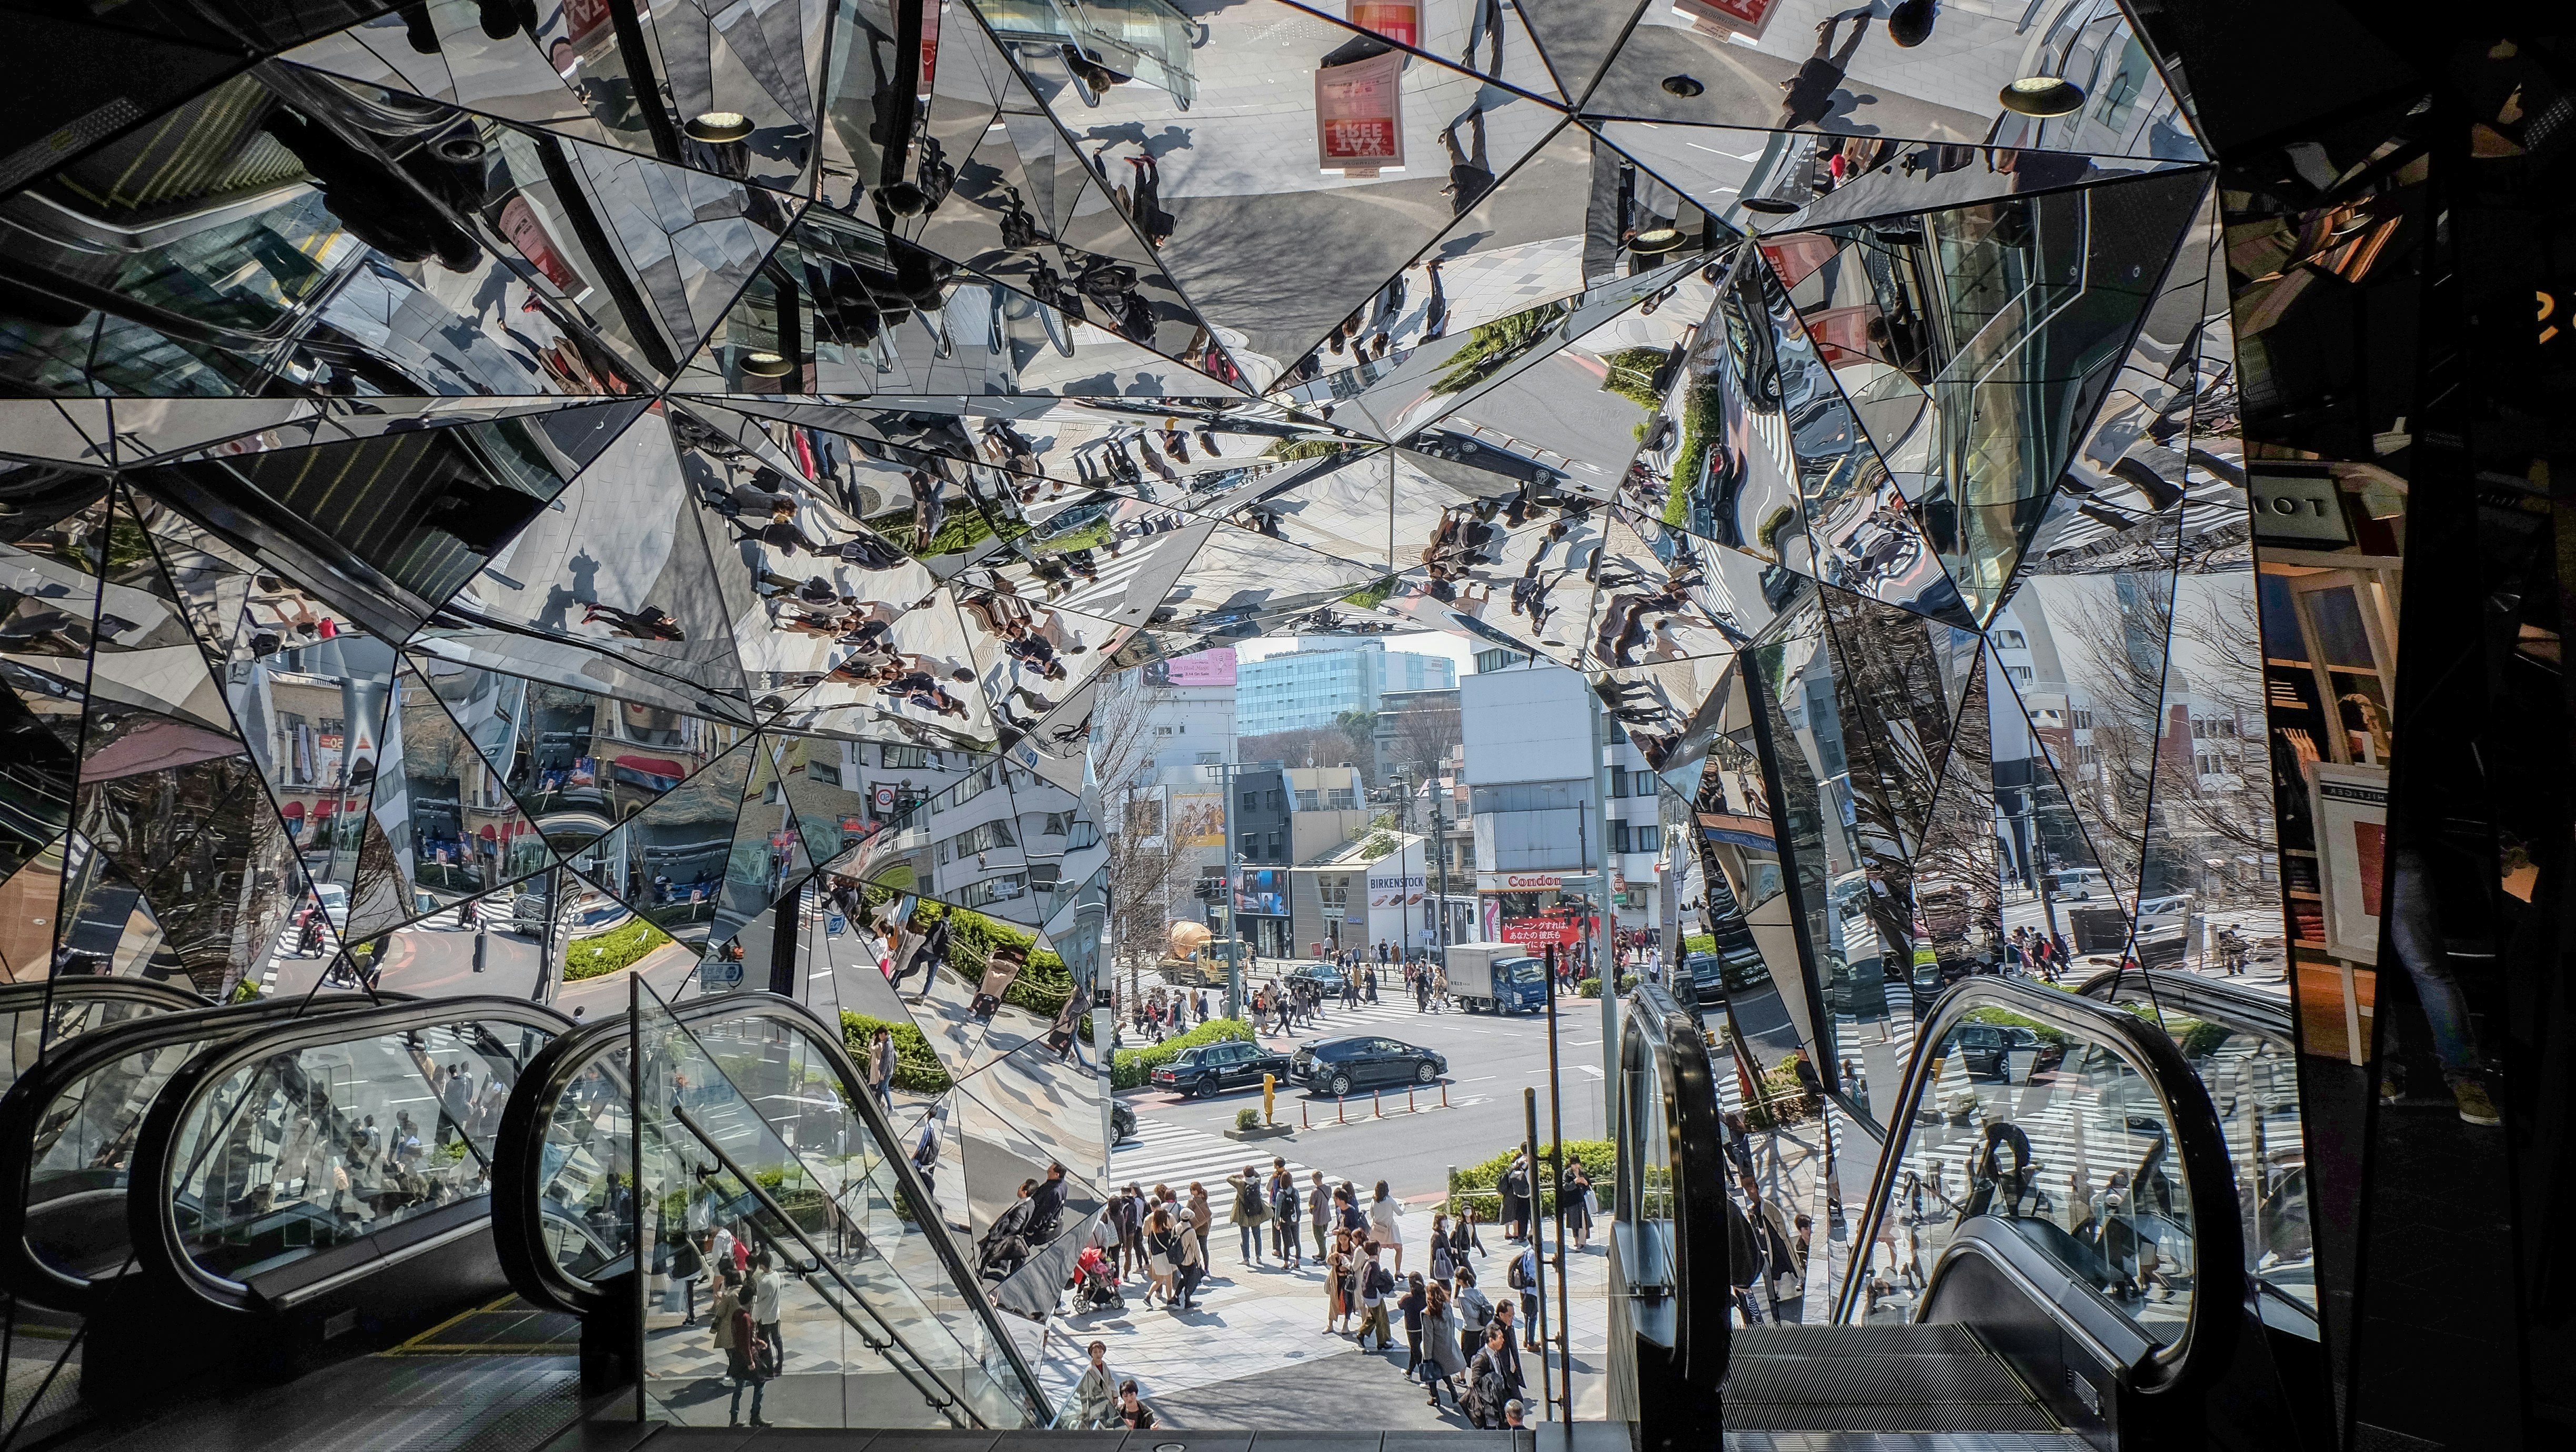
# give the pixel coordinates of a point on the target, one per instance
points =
(1656, 239)
(903, 199)
(764, 365)
(1684, 86)
(2042, 96)
(719, 127)
(1770, 206)
(458, 148)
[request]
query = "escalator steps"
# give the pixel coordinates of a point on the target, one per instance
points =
(1874, 1379)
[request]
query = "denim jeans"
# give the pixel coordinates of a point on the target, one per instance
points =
(1248, 1236)
(2415, 930)
(757, 1385)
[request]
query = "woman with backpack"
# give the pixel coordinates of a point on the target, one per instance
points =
(1384, 1227)
(1286, 1217)
(1475, 1312)
(1162, 1254)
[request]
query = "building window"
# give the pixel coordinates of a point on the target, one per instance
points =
(904, 758)
(1650, 839)
(1309, 799)
(1619, 839)
(1618, 783)
(2019, 673)
(1642, 783)
(1342, 799)
(826, 772)
(1211, 758)
(1250, 844)
(2010, 639)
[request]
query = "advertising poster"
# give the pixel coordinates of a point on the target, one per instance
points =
(1398, 20)
(1206, 668)
(1359, 115)
(527, 232)
(1263, 892)
(2351, 807)
(1198, 818)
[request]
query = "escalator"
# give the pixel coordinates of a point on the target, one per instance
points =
(69, 1124)
(2051, 1253)
(316, 1186)
(49, 1012)
(749, 1118)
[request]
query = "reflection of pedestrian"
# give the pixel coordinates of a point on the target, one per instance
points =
(1811, 90)
(1487, 26)
(1435, 313)
(1469, 177)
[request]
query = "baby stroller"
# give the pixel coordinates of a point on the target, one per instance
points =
(1095, 1283)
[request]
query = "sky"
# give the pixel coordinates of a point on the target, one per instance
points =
(1428, 642)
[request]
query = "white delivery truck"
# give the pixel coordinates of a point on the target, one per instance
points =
(1503, 977)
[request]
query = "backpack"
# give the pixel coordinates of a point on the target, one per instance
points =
(1518, 1276)
(1380, 1280)
(1247, 1204)
(1283, 1201)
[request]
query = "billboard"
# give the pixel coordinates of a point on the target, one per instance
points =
(1198, 818)
(1262, 892)
(1207, 668)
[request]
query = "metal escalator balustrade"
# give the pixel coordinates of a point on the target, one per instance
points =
(68, 1130)
(281, 1170)
(2057, 1181)
(45, 1015)
(754, 1119)
(2241, 1045)
(1669, 1300)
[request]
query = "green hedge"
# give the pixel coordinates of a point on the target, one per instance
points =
(619, 947)
(1587, 988)
(1700, 943)
(1786, 1100)
(916, 1067)
(1475, 1184)
(1132, 1065)
(1042, 987)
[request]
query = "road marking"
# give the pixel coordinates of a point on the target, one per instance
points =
(1588, 1069)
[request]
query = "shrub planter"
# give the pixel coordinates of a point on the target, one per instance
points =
(1259, 1131)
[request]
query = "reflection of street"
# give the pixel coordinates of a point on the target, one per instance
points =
(435, 959)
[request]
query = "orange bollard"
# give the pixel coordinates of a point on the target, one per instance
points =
(1337, 1110)
(1302, 1121)
(1444, 1093)
(1408, 1099)
(1377, 1104)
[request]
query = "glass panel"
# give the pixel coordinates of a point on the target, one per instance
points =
(2253, 1080)
(753, 1156)
(2062, 1136)
(320, 1146)
(48, 1019)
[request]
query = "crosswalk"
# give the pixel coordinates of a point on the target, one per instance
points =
(1175, 1155)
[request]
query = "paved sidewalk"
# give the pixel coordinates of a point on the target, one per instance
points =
(1255, 1351)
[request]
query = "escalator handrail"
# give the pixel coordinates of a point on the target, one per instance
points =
(1702, 1330)
(2208, 1337)
(23, 1108)
(18, 998)
(517, 1232)
(2223, 1003)
(2081, 1313)
(159, 1253)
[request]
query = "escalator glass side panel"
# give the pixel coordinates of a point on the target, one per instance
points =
(2239, 1046)
(42, 1016)
(2081, 1130)
(585, 1172)
(753, 1168)
(68, 1134)
(281, 1155)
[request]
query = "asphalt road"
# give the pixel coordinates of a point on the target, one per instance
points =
(1491, 1060)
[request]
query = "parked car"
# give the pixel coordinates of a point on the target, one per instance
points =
(1984, 1048)
(1214, 1068)
(1363, 1061)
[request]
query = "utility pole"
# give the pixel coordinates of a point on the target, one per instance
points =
(1609, 978)
(1233, 901)
(1440, 845)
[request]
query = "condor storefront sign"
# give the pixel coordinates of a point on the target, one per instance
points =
(1520, 882)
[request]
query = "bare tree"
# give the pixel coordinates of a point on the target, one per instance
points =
(1421, 736)
(1150, 870)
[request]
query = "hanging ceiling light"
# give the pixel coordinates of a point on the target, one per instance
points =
(1655, 240)
(1910, 23)
(718, 128)
(1769, 206)
(1683, 86)
(2042, 96)
(764, 365)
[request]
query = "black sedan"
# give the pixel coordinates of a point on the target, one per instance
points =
(1363, 1061)
(1122, 1121)
(1211, 1068)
